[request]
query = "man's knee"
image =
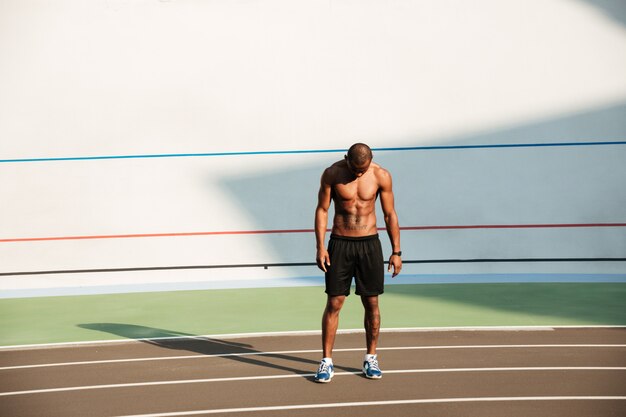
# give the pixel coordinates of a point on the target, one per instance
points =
(370, 302)
(334, 303)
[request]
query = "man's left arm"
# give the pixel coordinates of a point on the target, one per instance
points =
(391, 221)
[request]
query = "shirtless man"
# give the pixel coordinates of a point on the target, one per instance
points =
(354, 249)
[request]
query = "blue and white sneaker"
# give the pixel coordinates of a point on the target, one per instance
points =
(325, 372)
(371, 369)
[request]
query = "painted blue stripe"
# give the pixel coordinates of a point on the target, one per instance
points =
(172, 155)
(310, 151)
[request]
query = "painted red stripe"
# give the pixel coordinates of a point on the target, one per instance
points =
(279, 231)
(515, 226)
(182, 234)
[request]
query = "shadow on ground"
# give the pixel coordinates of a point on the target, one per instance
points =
(235, 351)
(587, 303)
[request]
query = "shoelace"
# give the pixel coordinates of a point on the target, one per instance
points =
(324, 368)
(373, 364)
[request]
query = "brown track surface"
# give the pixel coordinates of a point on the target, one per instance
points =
(297, 386)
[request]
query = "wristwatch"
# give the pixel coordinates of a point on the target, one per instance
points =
(399, 253)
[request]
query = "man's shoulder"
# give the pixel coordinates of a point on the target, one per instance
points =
(379, 170)
(339, 165)
(335, 169)
(383, 177)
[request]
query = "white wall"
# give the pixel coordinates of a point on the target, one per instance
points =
(121, 77)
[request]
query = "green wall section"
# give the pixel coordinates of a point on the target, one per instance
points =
(162, 314)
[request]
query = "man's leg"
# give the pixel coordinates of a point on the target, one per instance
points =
(371, 322)
(372, 328)
(330, 323)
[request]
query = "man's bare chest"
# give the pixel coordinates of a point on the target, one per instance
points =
(356, 191)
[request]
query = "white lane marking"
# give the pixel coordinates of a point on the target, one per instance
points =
(265, 377)
(315, 333)
(290, 352)
(387, 403)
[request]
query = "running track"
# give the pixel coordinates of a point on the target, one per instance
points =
(539, 372)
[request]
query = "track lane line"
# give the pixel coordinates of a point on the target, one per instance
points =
(308, 375)
(379, 403)
(542, 328)
(285, 352)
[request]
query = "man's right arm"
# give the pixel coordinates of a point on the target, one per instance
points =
(321, 221)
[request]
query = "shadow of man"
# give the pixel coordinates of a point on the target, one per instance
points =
(240, 352)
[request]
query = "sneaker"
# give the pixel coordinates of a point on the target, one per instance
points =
(371, 369)
(325, 372)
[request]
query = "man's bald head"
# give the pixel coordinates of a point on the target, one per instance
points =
(359, 154)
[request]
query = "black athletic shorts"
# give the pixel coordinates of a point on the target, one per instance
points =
(358, 257)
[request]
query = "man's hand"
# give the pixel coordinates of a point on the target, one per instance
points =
(396, 262)
(323, 259)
